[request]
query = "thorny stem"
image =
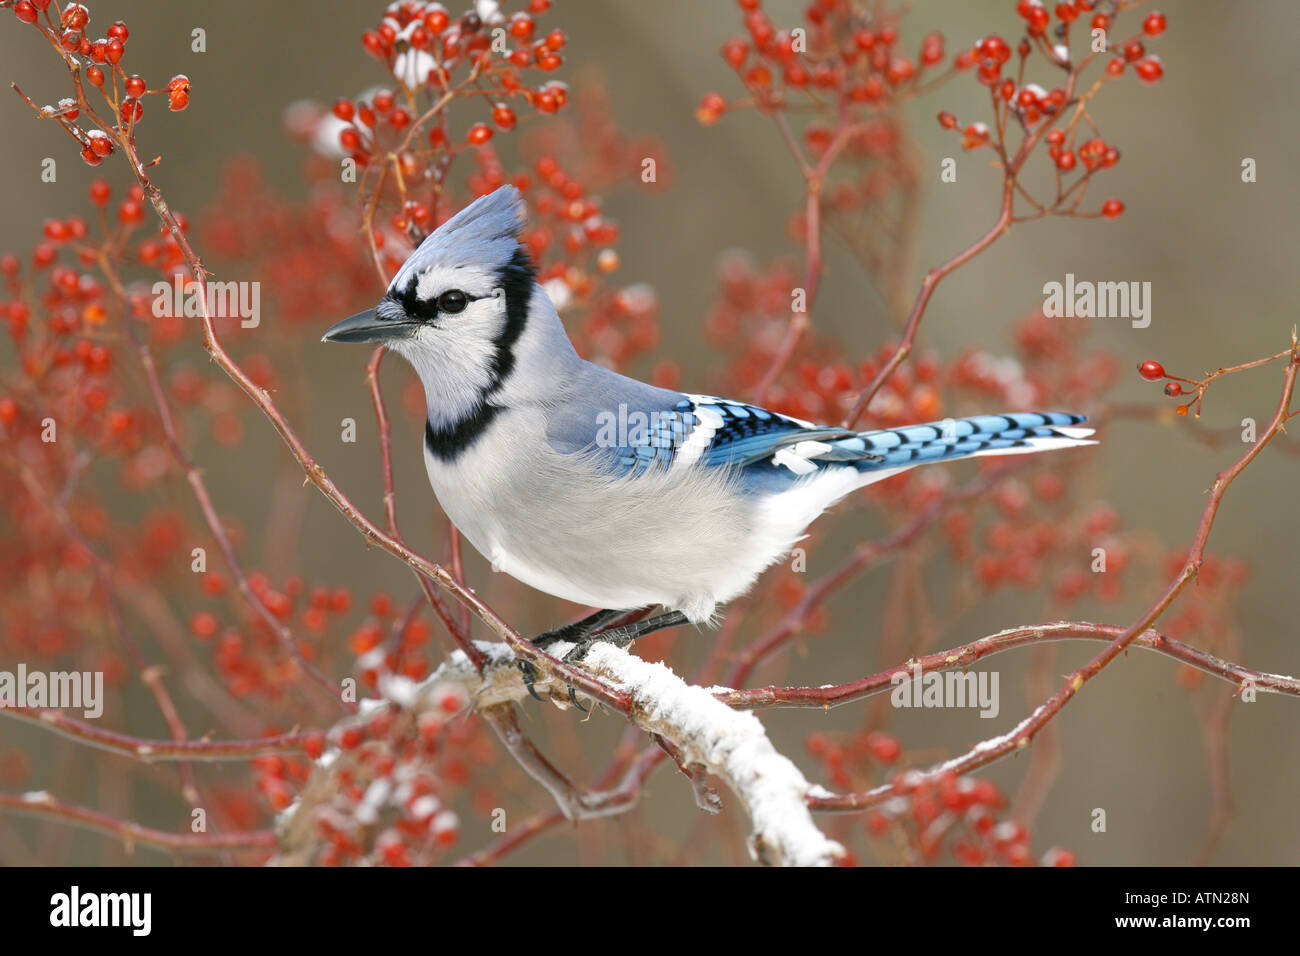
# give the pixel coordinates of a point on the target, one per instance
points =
(759, 698)
(130, 833)
(149, 751)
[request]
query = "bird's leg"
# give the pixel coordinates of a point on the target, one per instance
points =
(625, 635)
(569, 633)
(576, 631)
(620, 637)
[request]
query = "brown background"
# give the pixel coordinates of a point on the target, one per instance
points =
(1220, 255)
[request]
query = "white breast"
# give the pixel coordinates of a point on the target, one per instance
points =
(679, 537)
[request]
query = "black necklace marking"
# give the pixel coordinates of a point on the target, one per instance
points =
(448, 442)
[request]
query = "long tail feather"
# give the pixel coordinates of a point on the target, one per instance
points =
(1010, 434)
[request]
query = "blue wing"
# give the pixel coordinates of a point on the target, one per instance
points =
(770, 447)
(714, 432)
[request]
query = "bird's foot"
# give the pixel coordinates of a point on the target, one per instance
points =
(584, 641)
(573, 633)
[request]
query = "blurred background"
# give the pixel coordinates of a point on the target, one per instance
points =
(1220, 255)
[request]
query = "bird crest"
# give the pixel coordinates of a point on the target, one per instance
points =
(485, 234)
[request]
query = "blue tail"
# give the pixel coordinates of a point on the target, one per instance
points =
(1009, 434)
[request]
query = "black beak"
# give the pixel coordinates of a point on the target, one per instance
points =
(365, 327)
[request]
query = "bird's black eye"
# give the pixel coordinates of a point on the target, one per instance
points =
(452, 301)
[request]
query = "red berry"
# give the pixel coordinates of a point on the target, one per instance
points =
(735, 51)
(130, 212)
(344, 110)
(710, 108)
(1112, 208)
(75, 16)
(884, 747)
(522, 26)
(95, 75)
(313, 744)
(546, 101)
(1065, 161)
(25, 11)
(118, 29)
(1150, 69)
(1151, 370)
(1173, 389)
(478, 134)
(177, 100)
(503, 116)
(1154, 24)
(99, 192)
(204, 626)
(436, 19)
(135, 85)
(114, 50)
(947, 121)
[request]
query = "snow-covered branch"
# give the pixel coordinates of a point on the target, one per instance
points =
(731, 745)
(706, 736)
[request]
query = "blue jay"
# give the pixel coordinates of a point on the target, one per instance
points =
(601, 489)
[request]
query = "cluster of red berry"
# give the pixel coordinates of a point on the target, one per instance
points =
(837, 54)
(925, 818)
(395, 775)
(68, 32)
(433, 59)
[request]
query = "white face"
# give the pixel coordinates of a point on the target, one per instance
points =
(455, 353)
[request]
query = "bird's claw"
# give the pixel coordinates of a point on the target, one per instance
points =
(529, 671)
(530, 679)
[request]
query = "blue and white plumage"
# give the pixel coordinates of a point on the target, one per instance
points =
(601, 489)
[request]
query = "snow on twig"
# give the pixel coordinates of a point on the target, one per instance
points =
(731, 745)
